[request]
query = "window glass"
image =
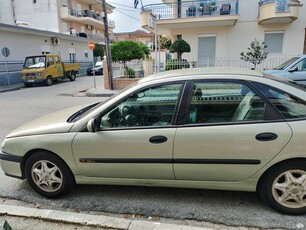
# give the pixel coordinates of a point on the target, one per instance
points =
(288, 105)
(57, 60)
(50, 61)
(274, 42)
(301, 66)
(150, 107)
(224, 102)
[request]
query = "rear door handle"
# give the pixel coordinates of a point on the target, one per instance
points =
(158, 139)
(266, 136)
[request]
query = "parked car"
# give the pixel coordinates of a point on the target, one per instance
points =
(47, 69)
(98, 69)
(208, 128)
(293, 69)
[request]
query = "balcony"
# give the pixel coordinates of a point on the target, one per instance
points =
(171, 15)
(276, 11)
(83, 17)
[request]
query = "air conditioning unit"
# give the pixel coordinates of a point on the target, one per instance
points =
(55, 41)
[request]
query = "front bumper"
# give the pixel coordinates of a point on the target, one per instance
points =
(11, 165)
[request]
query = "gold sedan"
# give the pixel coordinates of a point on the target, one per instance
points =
(209, 128)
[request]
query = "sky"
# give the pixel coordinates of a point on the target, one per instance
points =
(126, 17)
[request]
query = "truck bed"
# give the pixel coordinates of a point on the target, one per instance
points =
(71, 66)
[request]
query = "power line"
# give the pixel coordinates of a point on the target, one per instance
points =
(128, 15)
(121, 5)
(134, 10)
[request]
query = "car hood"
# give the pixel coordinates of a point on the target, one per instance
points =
(52, 123)
(274, 71)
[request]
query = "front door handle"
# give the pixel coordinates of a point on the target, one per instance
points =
(158, 139)
(266, 136)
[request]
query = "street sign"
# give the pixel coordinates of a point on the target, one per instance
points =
(6, 52)
(91, 45)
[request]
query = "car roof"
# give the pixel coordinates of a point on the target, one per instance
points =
(201, 71)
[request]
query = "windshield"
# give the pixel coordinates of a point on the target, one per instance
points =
(35, 62)
(286, 64)
(98, 64)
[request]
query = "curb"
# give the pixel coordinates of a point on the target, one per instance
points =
(90, 220)
(12, 88)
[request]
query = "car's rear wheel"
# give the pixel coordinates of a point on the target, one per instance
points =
(284, 187)
(72, 76)
(48, 174)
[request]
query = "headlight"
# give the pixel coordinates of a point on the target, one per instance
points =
(39, 74)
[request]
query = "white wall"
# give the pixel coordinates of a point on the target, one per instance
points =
(6, 12)
(22, 45)
(41, 15)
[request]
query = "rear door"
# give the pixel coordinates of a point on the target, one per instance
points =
(229, 135)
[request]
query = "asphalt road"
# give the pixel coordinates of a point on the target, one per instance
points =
(229, 208)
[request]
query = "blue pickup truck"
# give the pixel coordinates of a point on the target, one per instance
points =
(293, 69)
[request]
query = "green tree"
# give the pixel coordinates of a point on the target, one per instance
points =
(145, 49)
(99, 51)
(167, 44)
(180, 46)
(255, 54)
(125, 51)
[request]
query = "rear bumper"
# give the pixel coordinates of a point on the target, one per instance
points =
(11, 165)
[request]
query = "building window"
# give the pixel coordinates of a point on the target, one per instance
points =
(34, 1)
(179, 36)
(274, 41)
(86, 53)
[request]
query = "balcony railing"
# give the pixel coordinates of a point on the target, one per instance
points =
(85, 13)
(197, 8)
(280, 5)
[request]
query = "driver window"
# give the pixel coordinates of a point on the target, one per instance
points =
(150, 107)
(301, 66)
(50, 61)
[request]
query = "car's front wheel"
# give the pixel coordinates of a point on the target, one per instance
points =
(48, 174)
(284, 187)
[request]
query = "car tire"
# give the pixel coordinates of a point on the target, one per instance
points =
(72, 76)
(284, 187)
(49, 81)
(48, 174)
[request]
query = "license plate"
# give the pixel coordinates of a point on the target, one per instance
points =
(30, 80)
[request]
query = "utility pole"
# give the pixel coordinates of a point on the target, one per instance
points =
(108, 53)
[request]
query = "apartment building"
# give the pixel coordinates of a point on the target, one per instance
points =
(82, 18)
(222, 29)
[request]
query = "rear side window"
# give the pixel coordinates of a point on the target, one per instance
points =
(225, 102)
(289, 106)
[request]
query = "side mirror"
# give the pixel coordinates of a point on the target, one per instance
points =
(92, 125)
(293, 69)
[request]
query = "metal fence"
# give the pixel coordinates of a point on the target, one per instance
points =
(135, 69)
(236, 62)
(10, 71)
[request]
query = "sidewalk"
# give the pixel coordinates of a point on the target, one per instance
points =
(11, 87)
(34, 218)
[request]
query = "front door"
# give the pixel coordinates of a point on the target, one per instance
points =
(230, 134)
(135, 137)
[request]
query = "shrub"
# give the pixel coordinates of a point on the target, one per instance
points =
(131, 73)
(177, 64)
